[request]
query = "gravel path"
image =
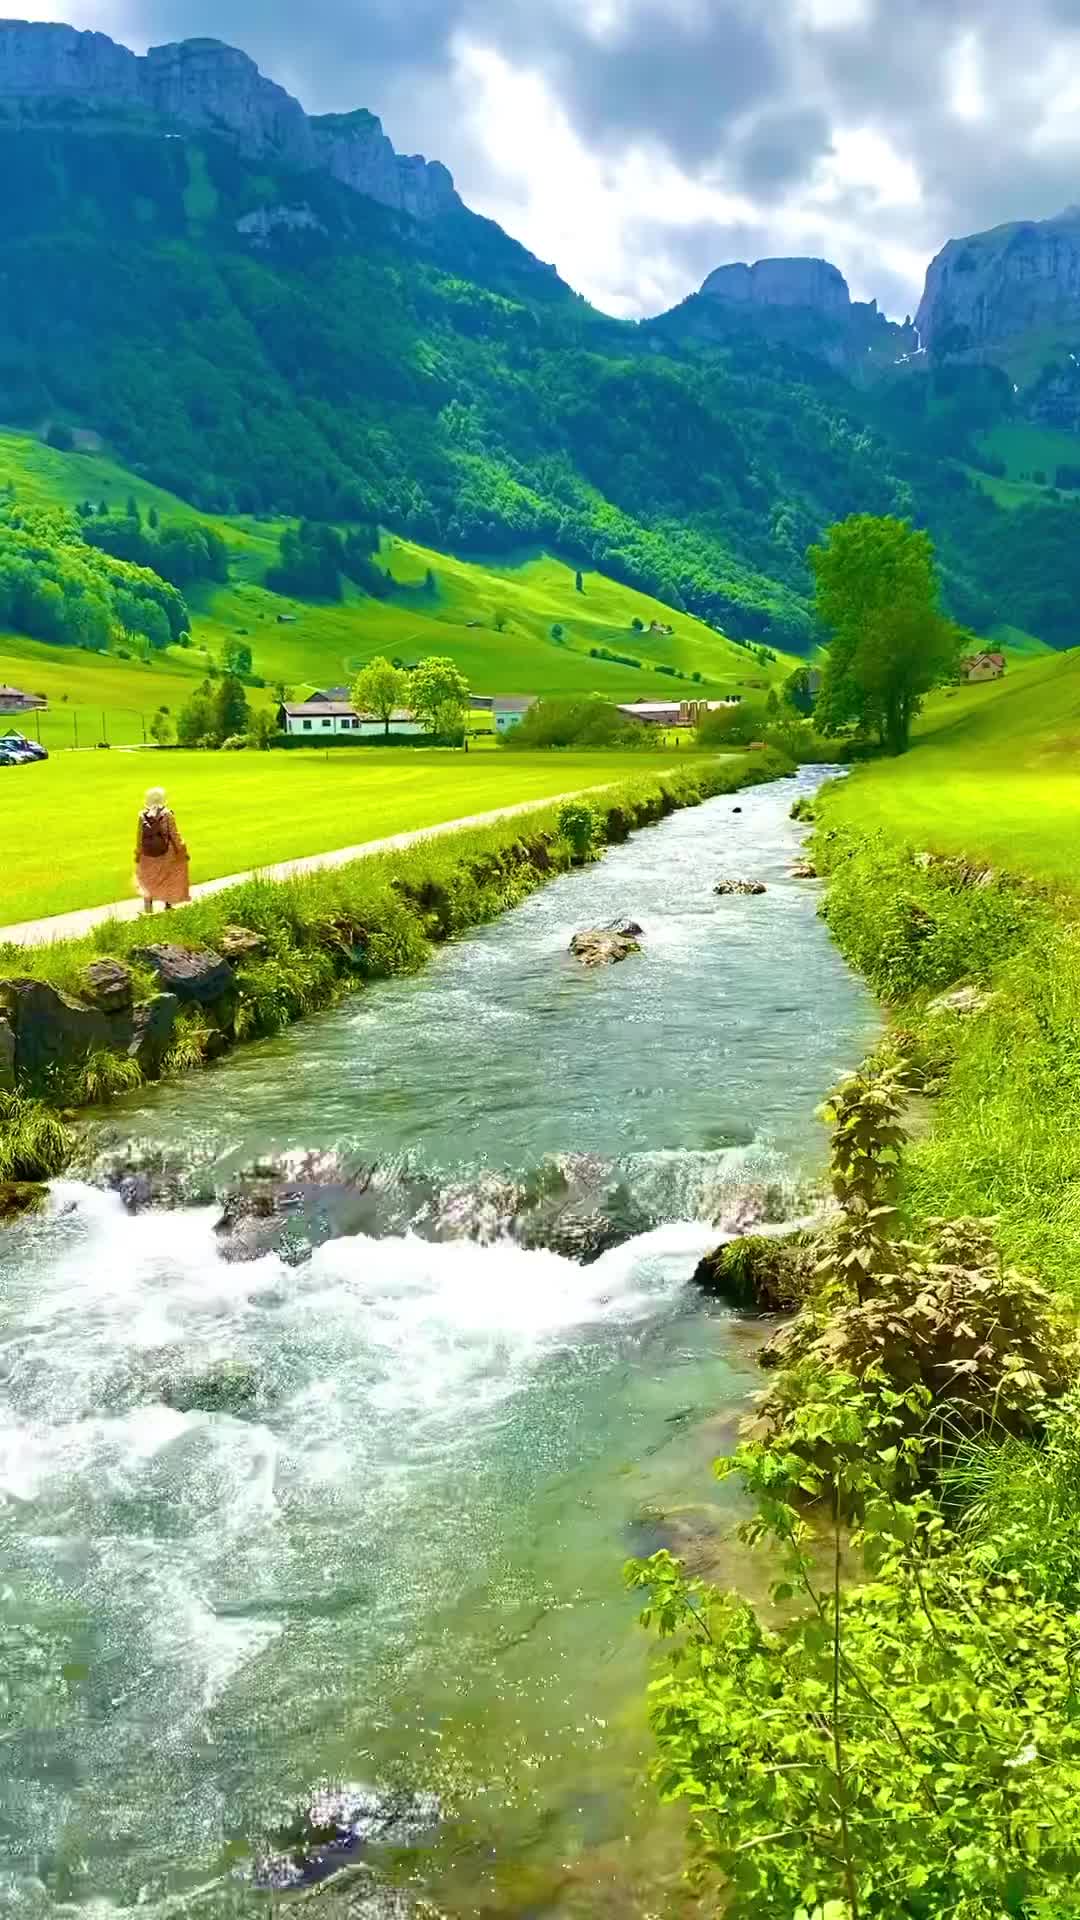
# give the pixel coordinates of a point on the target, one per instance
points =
(72, 926)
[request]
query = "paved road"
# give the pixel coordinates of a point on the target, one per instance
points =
(71, 926)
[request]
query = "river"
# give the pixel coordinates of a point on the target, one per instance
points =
(400, 1562)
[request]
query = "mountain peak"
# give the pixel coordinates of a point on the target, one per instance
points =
(208, 85)
(780, 283)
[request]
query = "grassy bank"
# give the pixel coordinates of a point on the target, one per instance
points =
(327, 933)
(898, 1735)
(67, 826)
(992, 775)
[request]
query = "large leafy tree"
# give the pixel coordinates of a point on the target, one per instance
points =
(379, 688)
(877, 597)
(439, 694)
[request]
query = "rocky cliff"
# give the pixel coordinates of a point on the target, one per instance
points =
(781, 283)
(804, 304)
(988, 289)
(206, 85)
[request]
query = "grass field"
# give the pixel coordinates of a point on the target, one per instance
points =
(494, 620)
(992, 774)
(67, 826)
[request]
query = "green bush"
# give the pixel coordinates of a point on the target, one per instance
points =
(588, 722)
(579, 824)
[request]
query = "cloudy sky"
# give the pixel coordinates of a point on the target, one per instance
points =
(640, 143)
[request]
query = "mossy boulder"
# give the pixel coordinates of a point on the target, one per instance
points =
(759, 1273)
(21, 1196)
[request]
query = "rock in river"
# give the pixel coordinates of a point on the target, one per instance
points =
(337, 1825)
(739, 886)
(603, 946)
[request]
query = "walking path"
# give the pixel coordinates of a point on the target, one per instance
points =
(72, 926)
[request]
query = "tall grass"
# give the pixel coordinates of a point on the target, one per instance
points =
(1005, 1133)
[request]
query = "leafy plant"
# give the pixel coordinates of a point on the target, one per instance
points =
(578, 823)
(105, 1075)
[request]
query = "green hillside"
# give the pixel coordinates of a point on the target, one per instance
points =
(515, 625)
(992, 775)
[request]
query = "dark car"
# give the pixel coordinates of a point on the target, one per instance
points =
(18, 743)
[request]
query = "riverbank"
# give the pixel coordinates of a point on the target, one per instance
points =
(907, 1742)
(81, 1021)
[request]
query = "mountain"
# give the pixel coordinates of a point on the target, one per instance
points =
(804, 304)
(49, 71)
(985, 291)
(268, 312)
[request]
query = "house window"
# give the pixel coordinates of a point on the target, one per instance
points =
(307, 726)
(326, 723)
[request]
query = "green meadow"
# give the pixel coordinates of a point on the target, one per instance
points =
(67, 825)
(992, 774)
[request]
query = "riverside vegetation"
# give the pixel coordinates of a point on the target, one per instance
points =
(317, 937)
(901, 1736)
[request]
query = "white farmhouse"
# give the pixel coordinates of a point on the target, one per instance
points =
(324, 717)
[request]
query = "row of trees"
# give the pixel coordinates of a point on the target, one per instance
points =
(314, 559)
(179, 550)
(435, 691)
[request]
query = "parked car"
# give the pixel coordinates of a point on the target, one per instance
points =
(18, 743)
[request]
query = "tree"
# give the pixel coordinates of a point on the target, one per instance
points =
(876, 593)
(638, 624)
(162, 729)
(196, 721)
(556, 631)
(152, 517)
(60, 437)
(230, 707)
(499, 618)
(430, 584)
(379, 688)
(262, 727)
(797, 691)
(236, 657)
(439, 694)
(579, 583)
(132, 510)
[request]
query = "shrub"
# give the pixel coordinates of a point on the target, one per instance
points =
(574, 723)
(236, 743)
(578, 823)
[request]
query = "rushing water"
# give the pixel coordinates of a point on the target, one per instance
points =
(398, 1559)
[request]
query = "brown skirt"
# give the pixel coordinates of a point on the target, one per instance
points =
(163, 876)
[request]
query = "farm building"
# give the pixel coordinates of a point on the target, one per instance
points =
(322, 718)
(982, 666)
(673, 713)
(510, 709)
(13, 701)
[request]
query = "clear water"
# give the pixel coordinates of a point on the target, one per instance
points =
(403, 1562)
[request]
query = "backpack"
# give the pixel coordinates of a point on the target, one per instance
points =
(154, 832)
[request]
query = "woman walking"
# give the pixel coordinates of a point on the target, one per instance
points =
(161, 858)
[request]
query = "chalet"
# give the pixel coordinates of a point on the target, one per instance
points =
(321, 718)
(982, 666)
(509, 709)
(12, 701)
